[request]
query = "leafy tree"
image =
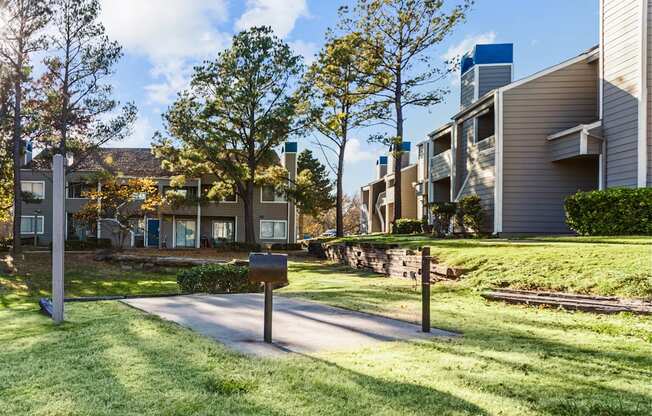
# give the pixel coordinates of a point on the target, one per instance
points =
(6, 149)
(352, 211)
(400, 36)
(120, 201)
(237, 110)
(338, 95)
(314, 188)
(22, 23)
(74, 116)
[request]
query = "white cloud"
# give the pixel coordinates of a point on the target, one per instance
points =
(307, 49)
(141, 136)
(456, 51)
(281, 15)
(459, 49)
(172, 34)
(355, 153)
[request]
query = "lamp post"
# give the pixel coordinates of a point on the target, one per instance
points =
(36, 214)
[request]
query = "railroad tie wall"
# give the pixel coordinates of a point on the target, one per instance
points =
(390, 261)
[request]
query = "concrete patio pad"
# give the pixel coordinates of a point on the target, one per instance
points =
(298, 326)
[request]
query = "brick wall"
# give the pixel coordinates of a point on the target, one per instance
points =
(389, 260)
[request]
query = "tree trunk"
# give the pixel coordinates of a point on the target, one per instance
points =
(17, 134)
(250, 232)
(301, 224)
(398, 150)
(339, 204)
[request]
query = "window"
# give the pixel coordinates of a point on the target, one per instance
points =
(78, 190)
(224, 229)
(28, 222)
(484, 126)
(78, 230)
(186, 191)
(185, 233)
(269, 194)
(140, 196)
(205, 189)
(273, 230)
(35, 188)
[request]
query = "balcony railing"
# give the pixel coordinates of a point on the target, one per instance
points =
(440, 165)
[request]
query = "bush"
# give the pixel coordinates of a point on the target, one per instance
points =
(443, 213)
(407, 226)
(615, 211)
(286, 247)
(91, 243)
(5, 244)
(235, 246)
(216, 278)
(470, 213)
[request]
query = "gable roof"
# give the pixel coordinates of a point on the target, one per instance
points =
(137, 162)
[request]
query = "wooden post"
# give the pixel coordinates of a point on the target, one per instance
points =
(425, 289)
(58, 243)
(267, 329)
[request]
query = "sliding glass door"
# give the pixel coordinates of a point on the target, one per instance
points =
(185, 230)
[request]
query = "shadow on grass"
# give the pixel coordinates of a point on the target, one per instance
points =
(136, 364)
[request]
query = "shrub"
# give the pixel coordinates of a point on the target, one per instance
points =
(235, 246)
(286, 246)
(615, 211)
(443, 213)
(91, 243)
(5, 244)
(216, 278)
(407, 226)
(470, 213)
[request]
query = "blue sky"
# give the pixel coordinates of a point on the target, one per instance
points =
(163, 39)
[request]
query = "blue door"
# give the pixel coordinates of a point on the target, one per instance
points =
(152, 233)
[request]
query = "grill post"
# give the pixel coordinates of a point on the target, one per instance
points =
(425, 289)
(267, 333)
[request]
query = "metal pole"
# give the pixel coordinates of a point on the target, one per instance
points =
(425, 289)
(268, 313)
(58, 222)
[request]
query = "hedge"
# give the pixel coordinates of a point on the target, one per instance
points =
(286, 247)
(216, 278)
(615, 211)
(91, 243)
(407, 226)
(235, 246)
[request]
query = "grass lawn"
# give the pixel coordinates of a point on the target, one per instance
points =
(84, 277)
(109, 359)
(619, 266)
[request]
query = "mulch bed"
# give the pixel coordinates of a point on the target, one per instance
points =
(595, 304)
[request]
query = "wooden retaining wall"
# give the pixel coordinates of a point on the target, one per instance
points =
(389, 260)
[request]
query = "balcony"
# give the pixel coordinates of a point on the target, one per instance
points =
(440, 166)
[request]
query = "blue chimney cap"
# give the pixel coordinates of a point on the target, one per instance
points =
(290, 147)
(382, 160)
(497, 53)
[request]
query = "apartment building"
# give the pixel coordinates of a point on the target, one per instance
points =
(523, 146)
(192, 225)
(378, 196)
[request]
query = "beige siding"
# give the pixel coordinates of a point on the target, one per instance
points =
(622, 45)
(534, 188)
(481, 180)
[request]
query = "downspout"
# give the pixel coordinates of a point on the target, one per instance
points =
(498, 162)
(198, 236)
